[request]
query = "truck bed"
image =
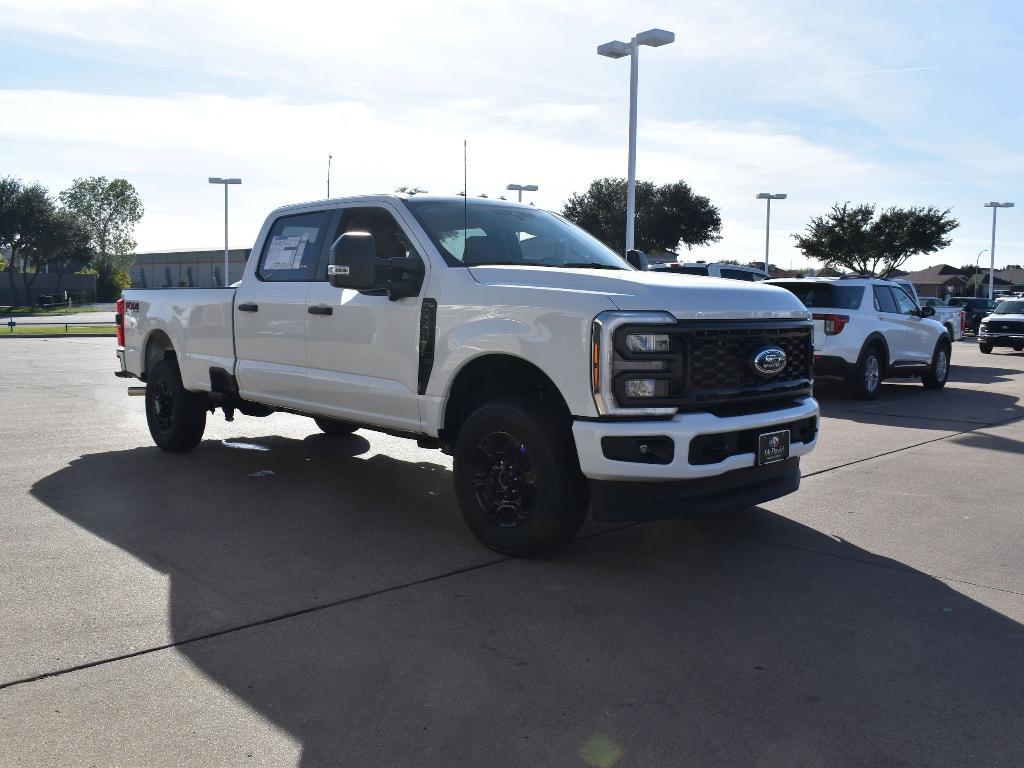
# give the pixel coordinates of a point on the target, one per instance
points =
(197, 321)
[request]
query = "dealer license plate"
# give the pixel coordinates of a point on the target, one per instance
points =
(773, 447)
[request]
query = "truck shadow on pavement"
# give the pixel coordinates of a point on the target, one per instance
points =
(748, 641)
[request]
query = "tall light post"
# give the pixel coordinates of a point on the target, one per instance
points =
(992, 249)
(520, 188)
(616, 49)
(226, 183)
(768, 197)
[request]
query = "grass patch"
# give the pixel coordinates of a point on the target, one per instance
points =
(29, 311)
(57, 330)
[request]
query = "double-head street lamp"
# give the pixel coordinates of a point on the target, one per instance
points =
(216, 180)
(768, 196)
(616, 49)
(992, 249)
(520, 188)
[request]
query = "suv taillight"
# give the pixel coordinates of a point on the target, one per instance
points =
(963, 321)
(833, 323)
(119, 321)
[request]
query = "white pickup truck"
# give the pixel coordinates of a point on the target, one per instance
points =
(560, 378)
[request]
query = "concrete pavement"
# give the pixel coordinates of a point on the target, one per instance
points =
(194, 610)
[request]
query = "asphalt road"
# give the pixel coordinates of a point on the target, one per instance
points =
(282, 598)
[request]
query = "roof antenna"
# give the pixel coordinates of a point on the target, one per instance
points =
(465, 197)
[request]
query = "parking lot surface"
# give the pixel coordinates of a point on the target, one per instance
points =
(279, 597)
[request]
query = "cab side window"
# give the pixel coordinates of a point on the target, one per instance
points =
(293, 247)
(884, 302)
(904, 304)
(388, 238)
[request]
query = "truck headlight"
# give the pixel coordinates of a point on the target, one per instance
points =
(620, 372)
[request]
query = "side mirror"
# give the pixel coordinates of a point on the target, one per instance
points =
(353, 262)
(637, 259)
(927, 311)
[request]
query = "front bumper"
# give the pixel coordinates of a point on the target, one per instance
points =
(681, 429)
(997, 339)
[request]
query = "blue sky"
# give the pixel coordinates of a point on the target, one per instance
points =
(897, 103)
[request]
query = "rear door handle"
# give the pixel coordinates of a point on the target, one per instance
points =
(320, 309)
(248, 307)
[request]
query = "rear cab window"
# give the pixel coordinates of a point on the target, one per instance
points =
(826, 295)
(293, 247)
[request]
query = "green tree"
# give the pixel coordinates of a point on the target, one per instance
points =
(852, 237)
(110, 209)
(666, 216)
(413, 190)
(26, 217)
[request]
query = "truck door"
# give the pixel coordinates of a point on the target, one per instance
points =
(270, 311)
(363, 349)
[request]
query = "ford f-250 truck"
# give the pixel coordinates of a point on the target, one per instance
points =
(559, 377)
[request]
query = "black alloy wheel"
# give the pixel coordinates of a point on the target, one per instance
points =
(504, 480)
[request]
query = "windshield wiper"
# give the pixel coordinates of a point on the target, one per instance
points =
(588, 265)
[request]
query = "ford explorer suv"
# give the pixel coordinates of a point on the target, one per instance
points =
(559, 378)
(870, 329)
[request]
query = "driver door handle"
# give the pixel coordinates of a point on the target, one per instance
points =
(248, 307)
(320, 309)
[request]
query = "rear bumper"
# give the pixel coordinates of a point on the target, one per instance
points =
(122, 368)
(832, 367)
(740, 489)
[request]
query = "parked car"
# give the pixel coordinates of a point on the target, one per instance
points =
(975, 307)
(559, 377)
(870, 329)
(705, 269)
(952, 317)
(1003, 328)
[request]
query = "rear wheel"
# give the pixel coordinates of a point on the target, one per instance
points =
(939, 373)
(984, 348)
(1018, 348)
(867, 378)
(176, 417)
(517, 478)
(335, 426)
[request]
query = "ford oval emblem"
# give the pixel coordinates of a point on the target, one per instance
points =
(769, 361)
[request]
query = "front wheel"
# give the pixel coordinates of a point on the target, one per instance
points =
(985, 349)
(517, 478)
(938, 374)
(867, 378)
(176, 417)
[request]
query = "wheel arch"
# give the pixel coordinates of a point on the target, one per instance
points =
(490, 376)
(876, 339)
(158, 347)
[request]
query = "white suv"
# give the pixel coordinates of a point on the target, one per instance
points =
(705, 269)
(869, 329)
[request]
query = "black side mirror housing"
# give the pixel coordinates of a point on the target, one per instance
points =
(637, 259)
(927, 311)
(353, 262)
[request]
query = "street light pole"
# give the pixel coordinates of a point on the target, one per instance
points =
(226, 182)
(520, 188)
(992, 249)
(768, 197)
(616, 49)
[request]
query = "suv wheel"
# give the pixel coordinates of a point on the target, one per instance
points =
(176, 417)
(517, 478)
(938, 374)
(984, 348)
(866, 380)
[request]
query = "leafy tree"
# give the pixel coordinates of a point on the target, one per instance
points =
(852, 237)
(666, 217)
(26, 216)
(110, 209)
(413, 190)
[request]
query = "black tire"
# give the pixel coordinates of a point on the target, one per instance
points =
(335, 426)
(517, 478)
(176, 417)
(985, 349)
(938, 374)
(866, 379)
(1018, 348)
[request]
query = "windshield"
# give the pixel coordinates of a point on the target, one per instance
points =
(925, 302)
(1010, 308)
(479, 234)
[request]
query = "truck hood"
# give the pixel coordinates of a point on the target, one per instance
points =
(688, 297)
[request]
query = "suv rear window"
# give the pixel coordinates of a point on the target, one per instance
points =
(826, 295)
